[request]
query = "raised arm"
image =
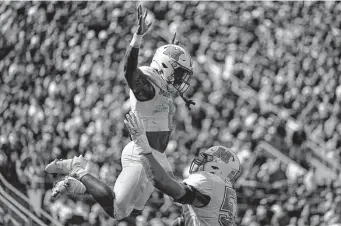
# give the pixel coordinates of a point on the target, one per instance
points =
(181, 192)
(137, 82)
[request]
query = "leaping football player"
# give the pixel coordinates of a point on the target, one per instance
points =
(152, 90)
(208, 192)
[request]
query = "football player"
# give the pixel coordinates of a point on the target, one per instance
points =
(152, 89)
(208, 191)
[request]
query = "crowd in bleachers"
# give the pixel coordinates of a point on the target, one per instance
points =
(256, 64)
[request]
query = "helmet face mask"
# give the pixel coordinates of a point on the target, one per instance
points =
(181, 78)
(218, 160)
(198, 162)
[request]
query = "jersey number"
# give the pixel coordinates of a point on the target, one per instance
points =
(229, 205)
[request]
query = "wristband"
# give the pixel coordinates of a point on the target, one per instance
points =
(136, 41)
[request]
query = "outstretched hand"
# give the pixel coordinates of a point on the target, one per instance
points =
(144, 25)
(134, 124)
(137, 131)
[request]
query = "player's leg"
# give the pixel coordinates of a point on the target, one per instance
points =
(129, 186)
(101, 192)
(118, 202)
(79, 181)
(162, 158)
(132, 186)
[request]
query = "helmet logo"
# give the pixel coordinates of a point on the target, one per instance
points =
(173, 52)
(222, 154)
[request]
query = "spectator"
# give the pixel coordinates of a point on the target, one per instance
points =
(260, 67)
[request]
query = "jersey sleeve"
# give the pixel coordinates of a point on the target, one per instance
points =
(201, 183)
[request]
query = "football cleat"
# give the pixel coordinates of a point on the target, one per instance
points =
(59, 166)
(74, 167)
(68, 185)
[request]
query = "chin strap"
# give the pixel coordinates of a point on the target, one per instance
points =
(188, 102)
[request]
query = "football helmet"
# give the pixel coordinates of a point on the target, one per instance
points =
(218, 160)
(175, 66)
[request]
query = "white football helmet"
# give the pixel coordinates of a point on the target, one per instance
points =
(174, 64)
(218, 160)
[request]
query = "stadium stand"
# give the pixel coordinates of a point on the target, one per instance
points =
(266, 78)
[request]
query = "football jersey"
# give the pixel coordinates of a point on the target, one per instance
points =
(222, 208)
(157, 113)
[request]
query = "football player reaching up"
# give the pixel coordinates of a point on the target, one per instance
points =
(152, 89)
(208, 191)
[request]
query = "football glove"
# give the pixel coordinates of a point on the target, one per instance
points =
(137, 132)
(143, 24)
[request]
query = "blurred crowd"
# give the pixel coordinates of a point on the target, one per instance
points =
(256, 65)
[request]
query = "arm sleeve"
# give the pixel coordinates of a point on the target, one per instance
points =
(181, 192)
(160, 179)
(137, 81)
